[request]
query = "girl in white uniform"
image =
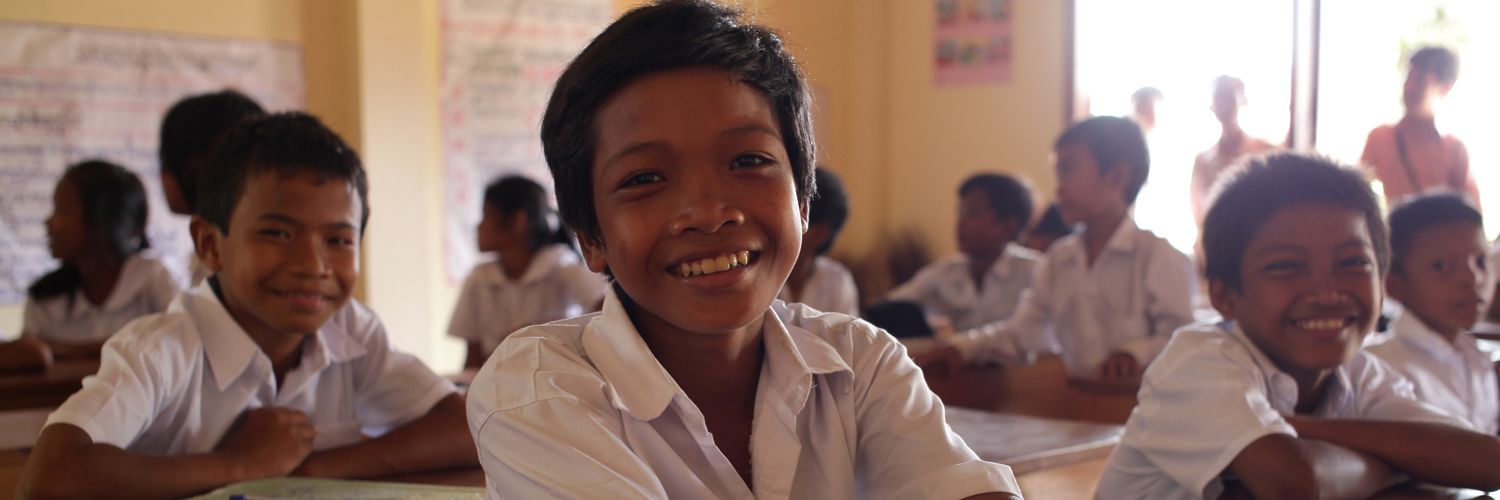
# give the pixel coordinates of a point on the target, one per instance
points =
(97, 229)
(538, 278)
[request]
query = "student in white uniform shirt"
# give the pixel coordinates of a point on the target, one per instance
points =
(188, 131)
(538, 277)
(984, 282)
(1278, 400)
(816, 280)
(690, 189)
(267, 368)
(1490, 323)
(1109, 297)
(1439, 274)
(97, 229)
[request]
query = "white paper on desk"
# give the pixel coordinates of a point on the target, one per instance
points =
(293, 488)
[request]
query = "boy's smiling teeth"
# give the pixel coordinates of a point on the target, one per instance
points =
(718, 264)
(1322, 323)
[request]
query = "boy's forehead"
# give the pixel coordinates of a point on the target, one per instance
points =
(300, 194)
(1310, 223)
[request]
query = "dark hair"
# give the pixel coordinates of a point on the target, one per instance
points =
(190, 129)
(663, 36)
(114, 206)
(284, 143)
(830, 206)
(1245, 198)
(1052, 223)
(512, 193)
(1111, 141)
(1144, 94)
(1436, 61)
(1009, 198)
(1423, 212)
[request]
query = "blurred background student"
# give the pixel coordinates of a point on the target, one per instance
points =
(816, 280)
(538, 276)
(97, 229)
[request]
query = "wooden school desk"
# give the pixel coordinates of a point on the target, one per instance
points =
(44, 389)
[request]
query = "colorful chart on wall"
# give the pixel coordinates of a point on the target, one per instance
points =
(71, 93)
(972, 42)
(500, 59)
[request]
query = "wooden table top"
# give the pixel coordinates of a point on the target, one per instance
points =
(41, 389)
(1029, 444)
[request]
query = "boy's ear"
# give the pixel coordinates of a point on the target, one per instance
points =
(1118, 177)
(593, 253)
(805, 211)
(1224, 299)
(206, 238)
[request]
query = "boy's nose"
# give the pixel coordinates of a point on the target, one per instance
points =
(706, 208)
(306, 258)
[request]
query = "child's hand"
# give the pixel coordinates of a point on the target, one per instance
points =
(945, 360)
(270, 442)
(1119, 365)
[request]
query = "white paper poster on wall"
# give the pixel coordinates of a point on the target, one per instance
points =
(70, 93)
(500, 59)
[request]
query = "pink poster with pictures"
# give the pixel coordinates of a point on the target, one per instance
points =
(972, 42)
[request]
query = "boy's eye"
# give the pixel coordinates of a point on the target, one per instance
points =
(1283, 267)
(275, 233)
(1442, 265)
(340, 241)
(1357, 263)
(743, 161)
(642, 178)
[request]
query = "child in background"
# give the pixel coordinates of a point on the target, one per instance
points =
(820, 282)
(1439, 274)
(267, 368)
(682, 147)
(1277, 400)
(1112, 294)
(187, 132)
(1047, 230)
(97, 229)
(537, 279)
(982, 283)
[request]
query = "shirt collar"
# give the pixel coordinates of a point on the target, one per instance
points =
(1282, 387)
(640, 386)
(230, 351)
(543, 262)
(1124, 237)
(132, 279)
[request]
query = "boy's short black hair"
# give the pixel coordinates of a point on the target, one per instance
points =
(667, 35)
(1246, 198)
(1112, 140)
(1009, 198)
(1423, 212)
(283, 143)
(1052, 223)
(829, 207)
(1436, 61)
(190, 128)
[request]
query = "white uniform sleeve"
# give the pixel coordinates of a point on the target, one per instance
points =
(906, 449)
(1170, 286)
(1171, 428)
(918, 289)
(118, 403)
(1387, 395)
(1024, 334)
(465, 321)
(392, 387)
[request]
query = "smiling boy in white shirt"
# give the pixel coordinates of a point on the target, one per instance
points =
(681, 145)
(1440, 276)
(267, 368)
(1278, 400)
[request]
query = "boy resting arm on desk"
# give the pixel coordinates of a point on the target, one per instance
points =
(1278, 401)
(267, 368)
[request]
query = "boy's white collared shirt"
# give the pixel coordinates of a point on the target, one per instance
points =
(1456, 376)
(1212, 392)
(144, 287)
(556, 285)
(1136, 293)
(175, 383)
(829, 289)
(945, 288)
(582, 409)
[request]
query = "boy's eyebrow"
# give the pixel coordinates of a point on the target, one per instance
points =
(737, 131)
(287, 219)
(1356, 242)
(750, 129)
(633, 150)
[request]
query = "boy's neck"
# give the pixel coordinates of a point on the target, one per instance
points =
(1446, 333)
(1419, 121)
(1231, 137)
(720, 370)
(100, 272)
(1097, 232)
(515, 261)
(980, 264)
(1312, 389)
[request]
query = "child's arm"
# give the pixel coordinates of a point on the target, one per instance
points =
(74, 351)
(1170, 284)
(25, 354)
(67, 463)
(438, 440)
(1009, 340)
(1436, 453)
(1281, 466)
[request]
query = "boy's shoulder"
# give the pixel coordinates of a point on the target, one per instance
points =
(1200, 345)
(538, 363)
(170, 338)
